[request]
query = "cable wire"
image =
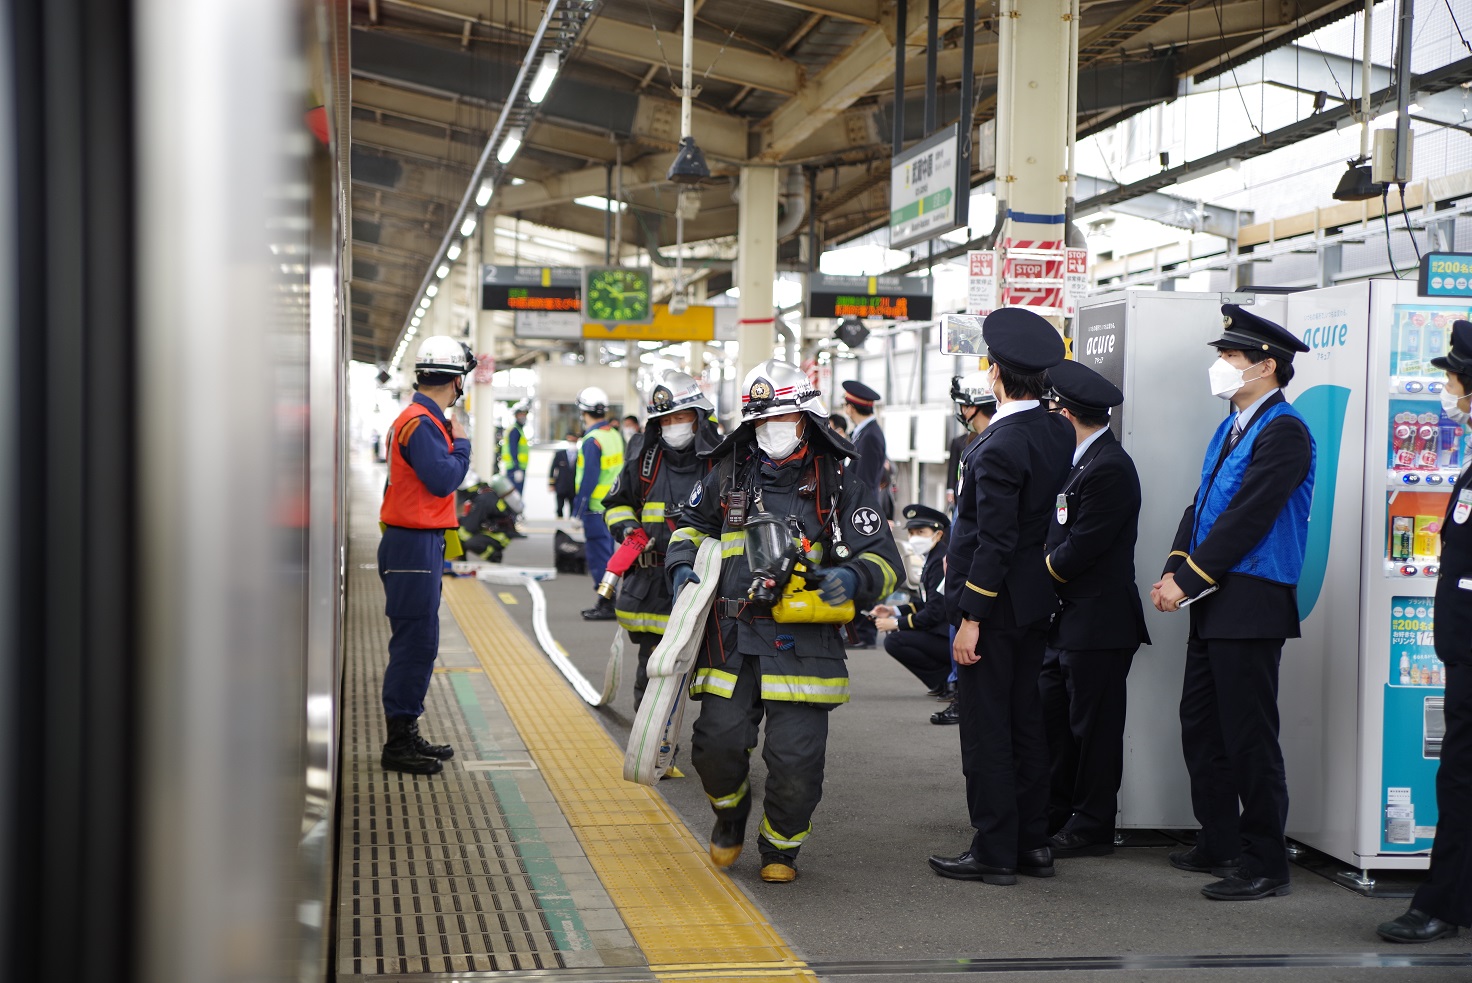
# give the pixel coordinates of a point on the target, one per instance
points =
(1385, 214)
(1407, 218)
(1456, 25)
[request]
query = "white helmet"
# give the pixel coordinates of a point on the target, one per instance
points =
(439, 355)
(593, 400)
(676, 391)
(520, 407)
(776, 387)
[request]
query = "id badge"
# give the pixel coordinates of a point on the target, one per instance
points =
(1062, 508)
(1464, 506)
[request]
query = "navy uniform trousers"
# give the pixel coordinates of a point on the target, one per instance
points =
(1004, 749)
(1084, 693)
(1447, 892)
(924, 653)
(1229, 733)
(411, 566)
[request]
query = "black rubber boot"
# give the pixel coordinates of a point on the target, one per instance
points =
(401, 753)
(602, 611)
(442, 752)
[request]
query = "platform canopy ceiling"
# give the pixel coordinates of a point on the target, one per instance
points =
(806, 83)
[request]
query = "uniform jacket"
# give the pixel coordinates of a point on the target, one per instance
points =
(959, 443)
(868, 466)
(1091, 552)
(1010, 477)
(1245, 606)
(1454, 586)
(562, 477)
(799, 662)
(653, 501)
(929, 613)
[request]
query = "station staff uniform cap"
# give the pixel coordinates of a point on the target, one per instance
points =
(1079, 387)
(1021, 340)
(1459, 358)
(925, 517)
(859, 394)
(1247, 332)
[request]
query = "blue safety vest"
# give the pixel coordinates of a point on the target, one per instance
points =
(1279, 556)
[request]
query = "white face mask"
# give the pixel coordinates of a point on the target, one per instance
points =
(1226, 379)
(1449, 406)
(921, 545)
(777, 440)
(629, 432)
(678, 435)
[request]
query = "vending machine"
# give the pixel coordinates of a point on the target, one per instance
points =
(1366, 708)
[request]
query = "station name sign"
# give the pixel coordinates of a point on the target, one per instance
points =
(890, 298)
(929, 189)
(1446, 275)
(531, 288)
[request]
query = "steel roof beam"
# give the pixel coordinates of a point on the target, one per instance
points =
(1172, 210)
(845, 80)
(635, 41)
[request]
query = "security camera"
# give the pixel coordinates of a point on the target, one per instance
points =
(678, 303)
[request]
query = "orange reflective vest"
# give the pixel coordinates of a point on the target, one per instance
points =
(406, 502)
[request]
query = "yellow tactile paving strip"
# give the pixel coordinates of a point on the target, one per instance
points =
(687, 917)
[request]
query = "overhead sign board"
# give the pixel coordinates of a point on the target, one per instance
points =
(1446, 275)
(892, 298)
(559, 325)
(697, 323)
(929, 189)
(531, 288)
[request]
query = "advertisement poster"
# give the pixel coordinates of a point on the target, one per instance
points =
(1414, 726)
(1098, 342)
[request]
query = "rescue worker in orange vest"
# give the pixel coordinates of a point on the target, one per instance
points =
(428, 456)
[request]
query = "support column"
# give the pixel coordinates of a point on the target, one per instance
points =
(482, 405)
(1032, 178)
(756, 267)
(1331, 261)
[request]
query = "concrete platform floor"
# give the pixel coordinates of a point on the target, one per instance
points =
(865, 904)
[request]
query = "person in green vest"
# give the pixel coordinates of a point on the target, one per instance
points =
(600, 459)
(514, 449)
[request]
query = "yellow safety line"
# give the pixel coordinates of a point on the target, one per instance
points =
(686, 916)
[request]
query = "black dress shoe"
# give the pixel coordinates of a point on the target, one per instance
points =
(968, 868)
(1246, 888)
(944, 693)
(1416, 926)
(1199, 863)
(1066, 844)
(1036, 863)
(950, 715)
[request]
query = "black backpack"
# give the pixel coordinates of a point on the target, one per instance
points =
(569, 555)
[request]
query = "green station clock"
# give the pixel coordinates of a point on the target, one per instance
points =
(618, 294)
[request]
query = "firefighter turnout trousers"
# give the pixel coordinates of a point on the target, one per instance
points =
(725, 734)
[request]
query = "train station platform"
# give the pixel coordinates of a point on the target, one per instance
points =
(530, 858)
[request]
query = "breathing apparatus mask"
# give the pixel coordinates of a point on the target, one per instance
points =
(778, 564)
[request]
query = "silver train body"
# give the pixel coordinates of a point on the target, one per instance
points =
(171, 513)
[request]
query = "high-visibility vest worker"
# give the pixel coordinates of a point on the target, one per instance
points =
(428, 457)
(600, 459)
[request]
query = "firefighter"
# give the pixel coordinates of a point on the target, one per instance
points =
(600, 459)
(428, 455)
(648, 493)
(489, 522)
(802, 545)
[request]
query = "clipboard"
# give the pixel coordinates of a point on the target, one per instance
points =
(1192, 600)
